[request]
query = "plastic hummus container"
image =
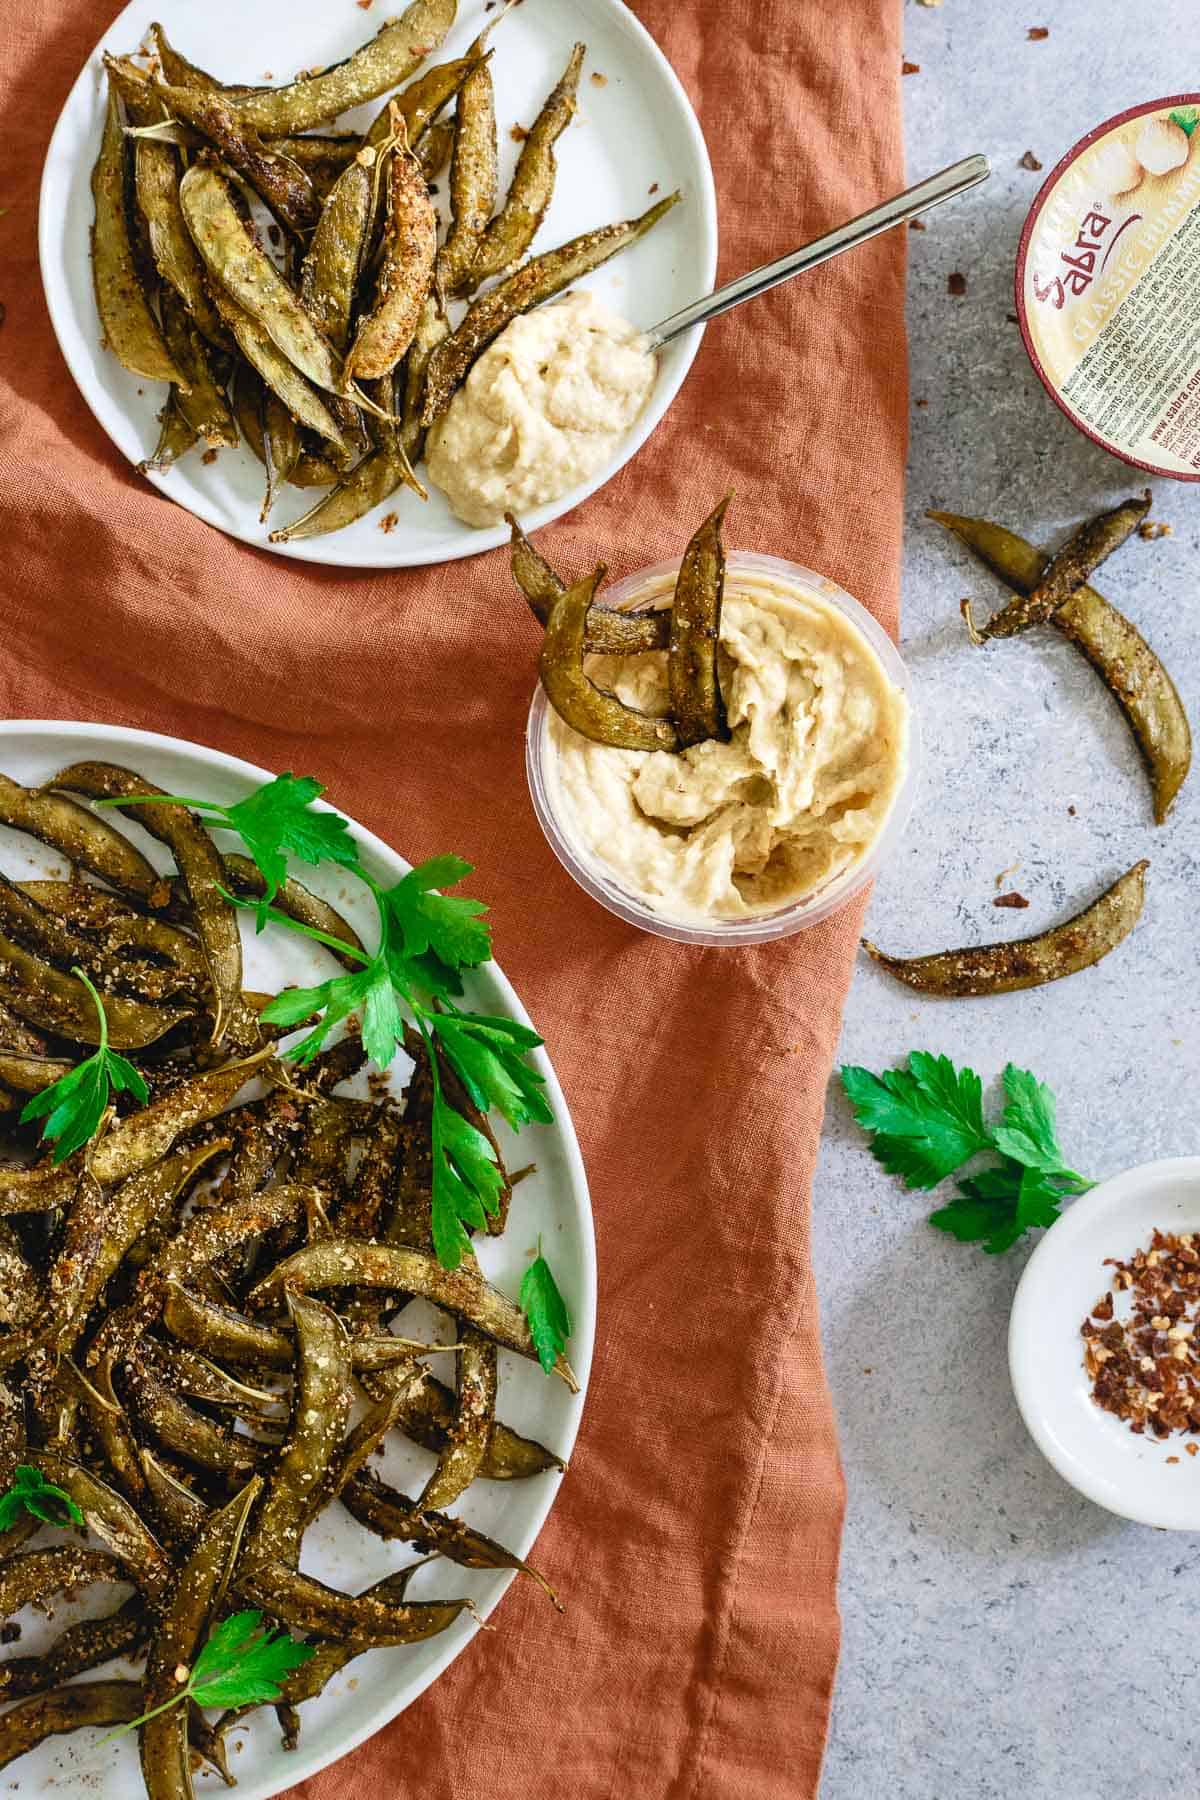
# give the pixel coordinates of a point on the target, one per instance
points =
(786, 588)
(1108, 286)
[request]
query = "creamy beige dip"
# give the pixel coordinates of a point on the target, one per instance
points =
(798, 795)
(541, 411)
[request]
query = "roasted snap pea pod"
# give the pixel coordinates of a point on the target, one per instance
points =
(432, 327)
(330, 270)
(35, 1576)
(56, 1002)
(372, 481)
(434, 147)
(472, 179)
(608, 632)
(64, 1709)
(199, 1594)
(22, 1296)
(283, 441)
(203, 405)
(514, 228)
(221, 1331)
(330, 151)
(203, 872)
(348, 1262)
(119, 927)
(111, 1518)
(23, 1074)
(1112, 644)
(284, 187)
(462, 1458)
(283, 378)
(175, 438)
(82, 1646)
(1027, 962)
(369, 1200)
(128, 325)
(400, 47)
(83, 838)
(196, 1378)
(1067, 571)
(405, 272)
(426, 1414)
(157, 174)
(187, 1432)
(179, 1511)
(420, 102)
(305, 1604)
(537, 280)
(182, 73)
(574, 695)
(143, 1137)
(47, 933)
(247, 273)
(320, 1413)
(696, 702)
(394, 1517)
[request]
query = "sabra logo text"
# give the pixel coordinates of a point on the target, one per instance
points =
(1081, 263)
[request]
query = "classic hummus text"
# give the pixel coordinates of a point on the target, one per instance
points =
(541, 411)
(797, 796)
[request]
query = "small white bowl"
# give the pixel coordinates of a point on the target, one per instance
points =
(1063, 1279)
(601, 883)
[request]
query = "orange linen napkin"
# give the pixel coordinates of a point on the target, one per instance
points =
(696, 1535)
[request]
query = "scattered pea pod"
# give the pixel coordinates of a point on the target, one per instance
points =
(1031, 962)
(1066, 572)
(1111, 643)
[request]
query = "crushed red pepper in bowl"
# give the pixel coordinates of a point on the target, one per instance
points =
(1144, 1366)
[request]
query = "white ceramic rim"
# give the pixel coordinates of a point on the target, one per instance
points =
(388, 862)
(799, 914)
(1141, 1196)
(674, 362)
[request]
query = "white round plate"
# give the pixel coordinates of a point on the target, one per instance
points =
(634, 133)
(1096, 1452)
(553, 1202)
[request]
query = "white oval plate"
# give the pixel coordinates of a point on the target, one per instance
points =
(553, 1202)
(1063, 1279)
(635, 131)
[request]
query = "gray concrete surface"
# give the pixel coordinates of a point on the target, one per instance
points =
(1002, 1635)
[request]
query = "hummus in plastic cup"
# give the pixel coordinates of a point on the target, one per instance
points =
(1108, 286)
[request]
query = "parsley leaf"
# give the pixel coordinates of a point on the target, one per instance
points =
(73, 1106)
(30, 1492)
(926, 1121)
(447, 926)
(467, 1180)
(546, 1311)
(242, 1663)
(1186, 117)
(492, 1068)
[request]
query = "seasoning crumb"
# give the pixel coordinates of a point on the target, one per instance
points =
(1036, 33)
(599, 80)
(518, 134)
(1012, 318)
(210, 456)
(653, 188)
(1172, 1459)
(916, 224)
(364, 5)
(1144, 1367)
(10, 1632)
(956, 283)
(868, 1371)
(1029, 161)
(434, 188)
(389, 522)
(910, 68)
(1012, 899)
(920, 403)
(268, 74)
(1150, 529)
(1071, 811)
(1192, 1449)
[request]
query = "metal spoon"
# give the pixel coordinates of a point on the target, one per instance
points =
(944, 186)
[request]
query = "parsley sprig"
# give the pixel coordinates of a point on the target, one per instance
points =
(30, 1492)
(274, 820)
(546, 1311)
(74, 1105)
(242, 1663)
(927, 1120)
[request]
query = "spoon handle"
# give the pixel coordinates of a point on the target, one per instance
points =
(932, 192)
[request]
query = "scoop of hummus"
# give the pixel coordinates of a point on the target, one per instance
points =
(796, 797)
(542, 410)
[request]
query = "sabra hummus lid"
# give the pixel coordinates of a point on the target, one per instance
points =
(1108, 286)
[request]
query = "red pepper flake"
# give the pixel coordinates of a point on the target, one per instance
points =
(956, 283)
(1172, 1459)
(599, 80)
(916, 224)
(1014, 900)
(907, 68)
(1029, 161)
(1192, 1449)
(1145, 1366)
(1037, 33)
(518, 134)
(389, 522)
(364, 5)
(210, 456)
